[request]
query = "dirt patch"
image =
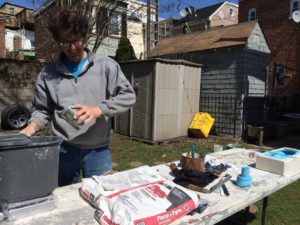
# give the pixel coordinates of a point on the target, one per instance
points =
(135, 164)
(159, 162)
(204, 143)
(114, 165)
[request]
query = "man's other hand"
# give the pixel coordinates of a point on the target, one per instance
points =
(86, 114)
(30, 130)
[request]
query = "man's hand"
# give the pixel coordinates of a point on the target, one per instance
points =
(86, 113)
(30, 130)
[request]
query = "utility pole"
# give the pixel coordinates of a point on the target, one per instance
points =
(156, 28)
(156, 21)
(148, 26)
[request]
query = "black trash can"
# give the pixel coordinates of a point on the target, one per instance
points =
(28, 167)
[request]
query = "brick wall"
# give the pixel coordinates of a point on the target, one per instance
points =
(17, 81)
(2, 39)
(283, 37)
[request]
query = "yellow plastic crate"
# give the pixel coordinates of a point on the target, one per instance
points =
(201, 124)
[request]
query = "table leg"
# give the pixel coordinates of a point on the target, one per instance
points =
(247, 212)
(264, 210)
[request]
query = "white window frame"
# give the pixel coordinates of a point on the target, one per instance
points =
(250, 13)
(115, 25)
(292, 8)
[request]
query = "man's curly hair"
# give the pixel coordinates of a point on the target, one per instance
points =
(71, 21)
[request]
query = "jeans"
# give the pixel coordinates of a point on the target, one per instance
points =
(92, 161)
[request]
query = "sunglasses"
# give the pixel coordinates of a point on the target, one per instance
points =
(67, 44)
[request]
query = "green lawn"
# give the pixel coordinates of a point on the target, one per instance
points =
(283, 207)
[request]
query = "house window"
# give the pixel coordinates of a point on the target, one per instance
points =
(279, 72)
(252, 14)
(115, 24)
(7, 19)
(11, 10)
(231, 12)
(294, 6)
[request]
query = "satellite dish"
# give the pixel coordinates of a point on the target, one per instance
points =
(183, 13)
(296, 16)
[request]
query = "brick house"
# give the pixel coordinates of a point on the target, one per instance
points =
(283, 37)
(17, 31)
(16, 16)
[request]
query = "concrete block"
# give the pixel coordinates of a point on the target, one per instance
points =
(283, 161)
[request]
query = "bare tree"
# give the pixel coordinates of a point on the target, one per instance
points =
(98, 12)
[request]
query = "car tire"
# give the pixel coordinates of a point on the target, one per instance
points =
(14, 117)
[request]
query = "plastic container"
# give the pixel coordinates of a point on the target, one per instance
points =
(231, 146)
(283, 161)
(28, 167)
(218, 148)
(244, 179)
(201, 124)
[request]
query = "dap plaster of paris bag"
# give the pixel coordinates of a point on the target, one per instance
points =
(149, 200)
(159, 202)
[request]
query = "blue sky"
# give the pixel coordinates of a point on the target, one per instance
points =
(175, 5)
(181, 4)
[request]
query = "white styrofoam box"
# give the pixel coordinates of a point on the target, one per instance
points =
(282, 161)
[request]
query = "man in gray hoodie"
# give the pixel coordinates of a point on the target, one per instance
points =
(79, 93)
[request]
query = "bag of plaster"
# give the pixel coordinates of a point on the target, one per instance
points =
(156, 203)
(93, 188)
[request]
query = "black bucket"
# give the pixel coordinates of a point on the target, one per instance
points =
(28, 167)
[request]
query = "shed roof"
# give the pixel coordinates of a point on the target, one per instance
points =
(228, 36)
(167, 61)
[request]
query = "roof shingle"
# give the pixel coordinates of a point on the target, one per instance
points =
(221, 37)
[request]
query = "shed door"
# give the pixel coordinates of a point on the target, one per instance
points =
(142, 111)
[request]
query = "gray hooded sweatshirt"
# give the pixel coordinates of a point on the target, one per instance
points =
(100, 83)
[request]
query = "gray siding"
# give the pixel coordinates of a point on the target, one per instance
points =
(257, 41)
(255, 72)
(222, 72)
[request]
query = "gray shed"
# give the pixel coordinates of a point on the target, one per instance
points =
(168, 95)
